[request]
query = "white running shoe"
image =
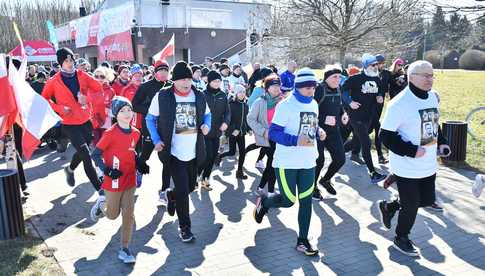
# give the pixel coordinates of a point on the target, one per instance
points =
(260, 165)
(163, 198)
(478, 186)
(126, 256)
(96, 211)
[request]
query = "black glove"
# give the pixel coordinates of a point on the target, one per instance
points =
(142, 167)
(113, 173)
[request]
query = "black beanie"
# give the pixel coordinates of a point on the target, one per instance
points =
(205, 71)
(181, 71)
(195, 68)
(62, 54)
(331, 72)
(213, 75)
(224, 66)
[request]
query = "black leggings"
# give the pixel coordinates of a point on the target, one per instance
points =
(241, 145)
(184, 178)
(413, 193)
(375, 127)
(212, 148)
(253, 146)
(269, 176)
(80, 137)
(361, 130)
(333, 143)
(17, 131)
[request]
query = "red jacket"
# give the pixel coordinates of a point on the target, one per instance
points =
(100, 103)
(117, 87)
(59, 96)
(129, 92)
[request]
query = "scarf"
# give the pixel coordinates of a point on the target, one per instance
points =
(270, 101)
(180, 93)
(302, 99)
(68, 74)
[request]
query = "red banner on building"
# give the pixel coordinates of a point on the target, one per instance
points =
(116, 47)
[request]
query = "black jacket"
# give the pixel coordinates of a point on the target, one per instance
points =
(166, 122)
(364, 90)
(145, 93)
(397, 82)
(329, 103)
(385, 76)
(239, 112)
(37, 86)
(220, 113)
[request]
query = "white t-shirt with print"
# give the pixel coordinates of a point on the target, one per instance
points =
(297, 118)
(184, 137)
(415, 120)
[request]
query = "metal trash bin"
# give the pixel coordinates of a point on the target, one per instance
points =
(11, 212)
(456, 134)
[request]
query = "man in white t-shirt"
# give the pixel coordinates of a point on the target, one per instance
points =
(410, 129)
(294, 129)
(177, 119)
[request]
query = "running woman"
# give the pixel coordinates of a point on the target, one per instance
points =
(295, 130)
(221, 116)
(259, 119)
(67, 94)
(330, 111)
(177, 120)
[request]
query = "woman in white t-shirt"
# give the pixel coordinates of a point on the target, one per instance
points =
(295, 129)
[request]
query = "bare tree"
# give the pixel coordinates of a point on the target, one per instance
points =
(344, 25)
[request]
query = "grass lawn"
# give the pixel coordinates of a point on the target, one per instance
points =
(461, 91)
(27, 256)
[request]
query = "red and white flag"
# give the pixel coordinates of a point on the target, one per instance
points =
(167, 51)
(8, 108)
(35, 115)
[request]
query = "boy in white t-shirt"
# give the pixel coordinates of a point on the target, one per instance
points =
(410, 129)
(295, 131)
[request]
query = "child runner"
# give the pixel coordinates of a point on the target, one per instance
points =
(295, 129)
(238, 128)
(115, 155)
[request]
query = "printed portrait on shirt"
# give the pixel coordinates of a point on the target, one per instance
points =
(370, 87)
(308, 126)
(429, 126)
(185, 118)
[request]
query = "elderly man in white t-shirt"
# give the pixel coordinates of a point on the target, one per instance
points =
(410, 129)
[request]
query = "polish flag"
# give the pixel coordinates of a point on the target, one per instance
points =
(8, 108)
(35, 115)
(167, 51)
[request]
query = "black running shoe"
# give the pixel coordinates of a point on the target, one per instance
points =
(69, 177)
(241, 175)
(259, 209)
(328, 186)
(356, 158)
(376, 177)
(305, 247)
(171, 202)
(405, 246)
(316, 195)
(386, 216)
(186, 235)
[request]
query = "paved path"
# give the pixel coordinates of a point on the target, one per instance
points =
(229, 242)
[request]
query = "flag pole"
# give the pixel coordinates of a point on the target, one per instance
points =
(173, 57)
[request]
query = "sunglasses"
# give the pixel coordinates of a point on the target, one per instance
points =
(101, 77)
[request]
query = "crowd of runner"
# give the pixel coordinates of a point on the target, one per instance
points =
(116, 116)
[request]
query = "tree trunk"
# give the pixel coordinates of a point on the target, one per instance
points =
(341, 55)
